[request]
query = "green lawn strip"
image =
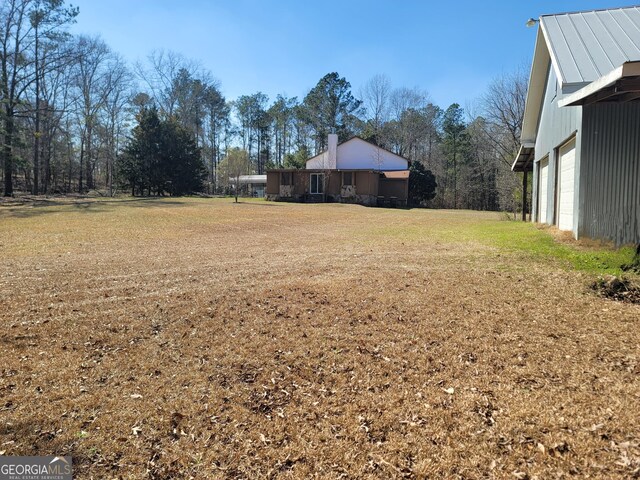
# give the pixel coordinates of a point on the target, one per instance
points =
(509, 237)
(525, 238)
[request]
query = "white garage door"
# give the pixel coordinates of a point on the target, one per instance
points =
(542, 190)
(566, 182)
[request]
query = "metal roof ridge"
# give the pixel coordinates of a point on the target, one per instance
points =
(628, 7)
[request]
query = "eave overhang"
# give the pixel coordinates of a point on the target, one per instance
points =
(535, 91)
(621, 85)
(524, 159)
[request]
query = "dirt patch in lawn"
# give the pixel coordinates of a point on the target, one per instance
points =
(197, 338)
(617, 288)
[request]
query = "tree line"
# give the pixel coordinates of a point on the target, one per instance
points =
(75, 118)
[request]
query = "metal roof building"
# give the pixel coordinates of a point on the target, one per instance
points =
(581, 127)
(584, 46)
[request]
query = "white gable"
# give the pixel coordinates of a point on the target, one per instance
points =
(358, 154)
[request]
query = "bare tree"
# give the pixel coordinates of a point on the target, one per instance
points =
(55, 103)
(116, 115)
(20, 21)
(103, 84)
(236, 165)
(406, 105)
(479, 174)
(403, 99)
(97, 73)
(46, 18)
(375, 95)
(160, 75)
(503, 107)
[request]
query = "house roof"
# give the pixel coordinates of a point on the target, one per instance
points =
(401, 174)
(581, 48)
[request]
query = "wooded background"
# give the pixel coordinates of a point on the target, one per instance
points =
(69, 105)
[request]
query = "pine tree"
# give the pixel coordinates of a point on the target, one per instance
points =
(455, 145)
(422, 184)
(330, 106)
(161, 157)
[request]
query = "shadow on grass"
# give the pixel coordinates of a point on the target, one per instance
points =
(258, 204)
(37, 440)
(147, 202)
(43, 207)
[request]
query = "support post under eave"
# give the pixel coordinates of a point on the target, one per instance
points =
(524, 195)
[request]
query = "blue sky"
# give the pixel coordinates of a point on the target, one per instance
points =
(451, 49)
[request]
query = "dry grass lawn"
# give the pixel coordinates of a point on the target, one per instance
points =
(195, 338)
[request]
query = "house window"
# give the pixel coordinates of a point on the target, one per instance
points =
(317, 183)
(285, 178)
(347, 178)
